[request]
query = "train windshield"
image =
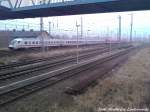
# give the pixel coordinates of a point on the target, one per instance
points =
(13, 42)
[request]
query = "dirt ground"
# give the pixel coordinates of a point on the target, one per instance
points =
(126, 87)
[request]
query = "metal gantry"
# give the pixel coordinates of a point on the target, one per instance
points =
(20, 9)
(9, 2)
(13, 4)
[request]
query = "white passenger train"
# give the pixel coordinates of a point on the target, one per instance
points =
(45, 40)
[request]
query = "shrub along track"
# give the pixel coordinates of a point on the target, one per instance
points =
(99, 71)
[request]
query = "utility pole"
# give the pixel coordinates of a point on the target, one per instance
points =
(110, 44)
(135, 36)
(77, 53)
(50, 28)
(82, 30)
(57, 23)
(5, 27)
(41, 30)
(41, 24)
(131, 28)
(81, 27)
(28, 26)
(88, 33)
(107, 33)
(23, 28)
(119, 33)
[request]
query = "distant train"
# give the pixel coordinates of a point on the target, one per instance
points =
(25, 43)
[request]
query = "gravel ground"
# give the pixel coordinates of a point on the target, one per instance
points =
(126, 87)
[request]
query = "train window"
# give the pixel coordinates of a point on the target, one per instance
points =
(36, 42)
(33, 42)
(25, 42)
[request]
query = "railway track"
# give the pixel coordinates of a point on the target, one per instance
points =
(30, 70)
(18, 64)
(4, 53)
(14, 91)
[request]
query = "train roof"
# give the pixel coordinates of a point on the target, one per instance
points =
(47, 39)
(18, 39)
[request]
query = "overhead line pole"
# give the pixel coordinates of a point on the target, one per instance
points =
(119, 33)
(119, 38)
(41, 30)
(50, 28)
(131, 28)
(81, 26)
(77, 53)
(82, 30)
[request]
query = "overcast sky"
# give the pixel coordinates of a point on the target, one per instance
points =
(93, 24)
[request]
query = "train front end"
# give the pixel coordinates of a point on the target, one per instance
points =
(14, 44)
